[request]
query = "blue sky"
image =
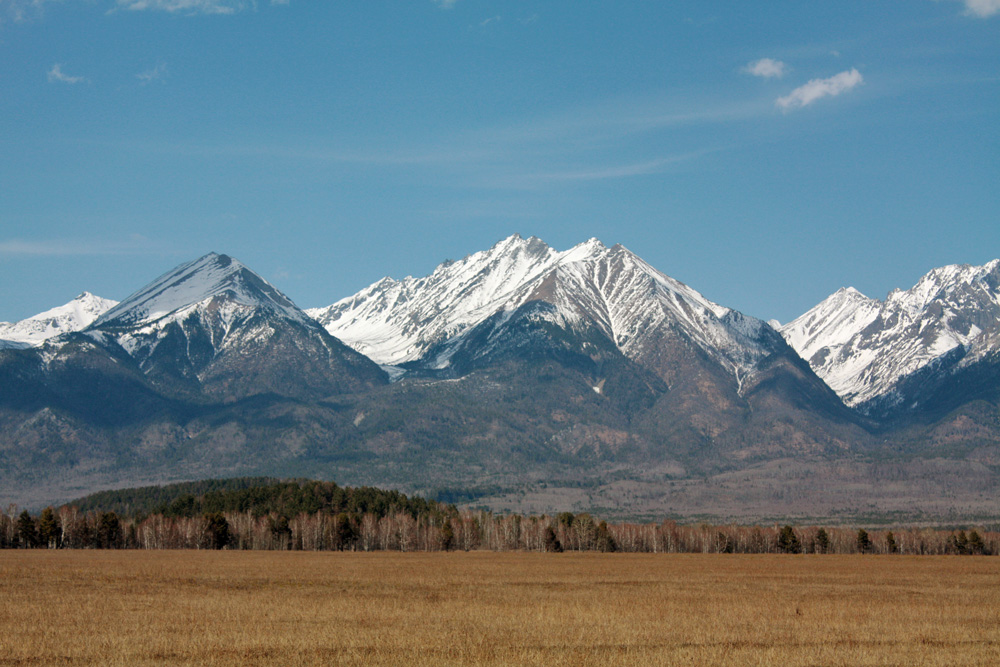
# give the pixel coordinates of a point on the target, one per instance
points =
(764, 153)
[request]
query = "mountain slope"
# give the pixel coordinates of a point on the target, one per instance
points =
(422, 322)
(693, 374)
(215, 327)
(397, 321)
(73, 316)
(885, 357)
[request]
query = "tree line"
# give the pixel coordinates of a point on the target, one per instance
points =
(306, 515)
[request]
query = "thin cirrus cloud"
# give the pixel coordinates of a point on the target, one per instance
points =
(134, 244)
(766, 68)
(982, 8)
(817, 89)
(57, 75)
(19, 11)
(192, 6)
(157, 73)
(618, 171)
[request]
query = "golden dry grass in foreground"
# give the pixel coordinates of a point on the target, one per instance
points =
(300, 608)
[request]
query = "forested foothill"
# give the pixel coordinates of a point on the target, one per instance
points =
(270, 514)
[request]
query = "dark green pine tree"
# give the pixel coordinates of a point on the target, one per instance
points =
(27, 535)
(281, 532)
(976, 544)
(552, 543)
(217, 534)
(447, 536)
(822, 541)
(890, 543)
(346, 533)
(788, 541)
(604, 540)
(109, 531)
(864, 542)
(49, 529)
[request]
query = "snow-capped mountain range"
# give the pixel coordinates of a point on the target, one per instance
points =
(73, 316)
(424, 322)
(864, 348)
(520, 363)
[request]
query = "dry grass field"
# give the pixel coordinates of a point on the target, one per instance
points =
(301, 608)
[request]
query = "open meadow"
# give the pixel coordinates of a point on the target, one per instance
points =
(308, 608)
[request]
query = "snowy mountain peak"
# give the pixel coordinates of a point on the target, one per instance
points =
(73, 316)
(214, 327)
(397, 321)
(864, 347)
(194, 283)
(425, 320)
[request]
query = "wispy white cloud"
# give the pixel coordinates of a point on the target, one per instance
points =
(57, 75)
(766, 68)
(26, 10)
(982, 8)
(21, 10)
(492, 19)
(819, 88)
(601, 173)
(157, 73)
(134, 244)
(187, 6)
(445, 4)
(620, 139)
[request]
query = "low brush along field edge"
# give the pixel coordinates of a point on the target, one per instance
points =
(86, 607)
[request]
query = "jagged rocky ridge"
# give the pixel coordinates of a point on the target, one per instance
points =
(424, 323)
(887, 357)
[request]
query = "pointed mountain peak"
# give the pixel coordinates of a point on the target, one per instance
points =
(213, 275)
(512, 241)
(863, 347)
(515, 243)
(590, 249)
(844, 295)
(72, 316)
(593, 243)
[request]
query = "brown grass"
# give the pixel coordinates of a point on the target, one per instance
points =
(298, 608)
